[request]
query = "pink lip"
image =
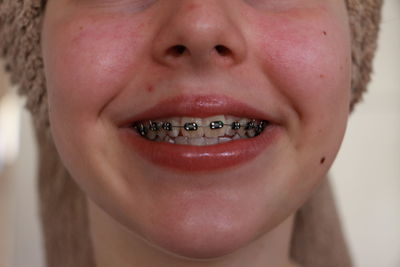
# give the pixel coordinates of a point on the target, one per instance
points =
(204, 158)
(199, 106)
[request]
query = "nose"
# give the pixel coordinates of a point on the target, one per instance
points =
(200, 34)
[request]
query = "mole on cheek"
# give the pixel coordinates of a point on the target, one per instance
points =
(192, 6)
(325, 33)
(150, 89)
(322, 161)
(322, 76)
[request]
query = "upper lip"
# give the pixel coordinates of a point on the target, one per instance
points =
(199, 106)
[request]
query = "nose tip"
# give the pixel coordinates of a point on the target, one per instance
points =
(205, 35)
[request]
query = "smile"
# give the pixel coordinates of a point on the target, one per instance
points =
(200, 132)
(185, 134)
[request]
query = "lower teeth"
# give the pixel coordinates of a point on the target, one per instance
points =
(162, 132)
(197, 141)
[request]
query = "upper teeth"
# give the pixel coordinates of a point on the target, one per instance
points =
(188, 127)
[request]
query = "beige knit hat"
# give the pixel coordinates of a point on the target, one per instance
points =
(317, 239)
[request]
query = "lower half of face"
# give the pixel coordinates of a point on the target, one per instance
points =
(204, 129)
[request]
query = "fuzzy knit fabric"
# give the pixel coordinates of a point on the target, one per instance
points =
(317, 238)
(365, 17)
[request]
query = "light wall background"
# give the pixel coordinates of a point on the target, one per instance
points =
(367, 171)
(366, 174)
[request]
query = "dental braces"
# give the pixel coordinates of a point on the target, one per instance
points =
(155, 126)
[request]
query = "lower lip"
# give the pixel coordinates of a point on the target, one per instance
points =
(189, 158)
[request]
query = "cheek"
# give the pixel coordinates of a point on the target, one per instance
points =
(87, 63)
(306, 55)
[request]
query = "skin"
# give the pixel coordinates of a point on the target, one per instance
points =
(108, 58)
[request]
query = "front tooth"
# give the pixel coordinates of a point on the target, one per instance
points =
(228, 128)
(151, 135)
(161, 133)
(169, 140)
(197, 141)
(211, 141)
(222, 140)
(181, 140)
(213, 132)
(251, 133)
(242, 130)
(251, 129)
(197, 133)
(175, 130)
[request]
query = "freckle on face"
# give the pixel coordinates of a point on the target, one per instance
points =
(192, 6)
(150, 89)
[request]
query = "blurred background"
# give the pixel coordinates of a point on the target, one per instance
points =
(366, 174)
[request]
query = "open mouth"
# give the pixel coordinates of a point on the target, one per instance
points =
(200, 131)
(186, 133)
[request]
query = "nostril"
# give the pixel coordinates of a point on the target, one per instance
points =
(176, 50)
(223, 50)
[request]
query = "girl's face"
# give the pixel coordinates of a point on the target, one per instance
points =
(110, 64)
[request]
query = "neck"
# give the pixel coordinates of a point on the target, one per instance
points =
(114, 245)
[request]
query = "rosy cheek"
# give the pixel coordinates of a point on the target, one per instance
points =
(306, 55)
(94, 61)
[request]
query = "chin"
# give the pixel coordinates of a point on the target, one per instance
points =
(202, 241)
(206, 226)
